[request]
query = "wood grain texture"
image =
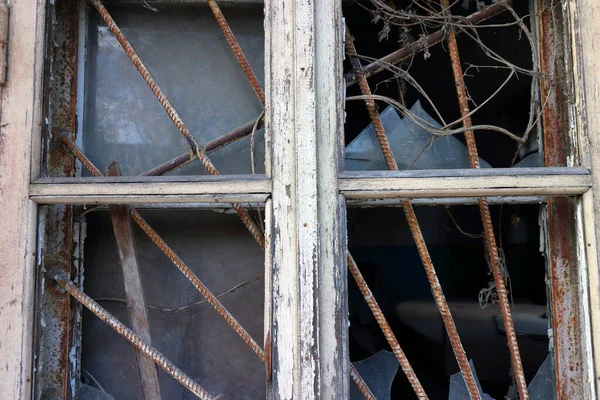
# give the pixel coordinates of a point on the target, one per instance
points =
(586, 45)
(306, 244)
(426, 184)
(136, 190)
(20, 121)
(134, 291)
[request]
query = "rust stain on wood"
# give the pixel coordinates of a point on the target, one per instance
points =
(562, 234)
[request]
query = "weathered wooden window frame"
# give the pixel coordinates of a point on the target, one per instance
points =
(306, 251)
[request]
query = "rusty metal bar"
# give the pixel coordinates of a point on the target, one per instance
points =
(195, 148)
(80, 156)
(385, 328)
(428, 41)
(237, 50)
(188, 273)
(52, 370)
(486, 217)
(212, 146)
(134, 291)
(373, 114)
(415, 229)
(65, 282)
(164, 101)
(210, 297)
(360, 383)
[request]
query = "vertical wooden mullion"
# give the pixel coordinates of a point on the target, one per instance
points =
(20, 122)
(307, 332)
(586, 51)
(334, 355)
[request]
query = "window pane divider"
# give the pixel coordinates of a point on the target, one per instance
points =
(466, 183)
(423, 184)
(140, 190)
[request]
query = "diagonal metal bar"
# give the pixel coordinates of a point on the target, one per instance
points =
(360, 383)
(237, 50)
(362, 386)
(86, 162)
(65, 282)
(436, 288)
(421, 45)
(162, 245)
(136, 300)
(386, 329)
(212, 146)
(486, 218)
(164, 101)
(210, 297)
(195, 148)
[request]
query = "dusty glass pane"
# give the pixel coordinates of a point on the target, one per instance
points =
(190, 59)
(187, 330)
(385, 252)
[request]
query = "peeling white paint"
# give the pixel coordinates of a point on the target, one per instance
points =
(303, 120)
(584, 15)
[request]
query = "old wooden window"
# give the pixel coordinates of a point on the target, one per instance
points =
(422, 270)
(91, 98)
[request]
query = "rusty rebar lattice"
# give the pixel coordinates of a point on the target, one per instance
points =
(415, 229)
(486, 218)
(164, 101)
(65, 282)
(196, 149)
(164, 247)
(237, 50)
(210, 297)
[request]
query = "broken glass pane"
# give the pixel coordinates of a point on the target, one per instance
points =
(412, 145)
(382, 245)
(402, 49)
(458, 387)
(378, 372)
(543, 385)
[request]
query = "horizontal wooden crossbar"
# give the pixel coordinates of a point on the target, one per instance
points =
(500, 183)
(465, 183)
(151, 189)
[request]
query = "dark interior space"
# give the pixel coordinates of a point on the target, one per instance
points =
(380, 240)
(432, 70)
(381, 243)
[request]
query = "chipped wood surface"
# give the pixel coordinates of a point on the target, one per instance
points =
(134, 291)
(19, 122)
(135, 190)
(586, 43)
(306, 245)
(431, 184)
(332, 284)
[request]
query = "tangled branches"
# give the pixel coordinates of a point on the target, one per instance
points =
(422, 24)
